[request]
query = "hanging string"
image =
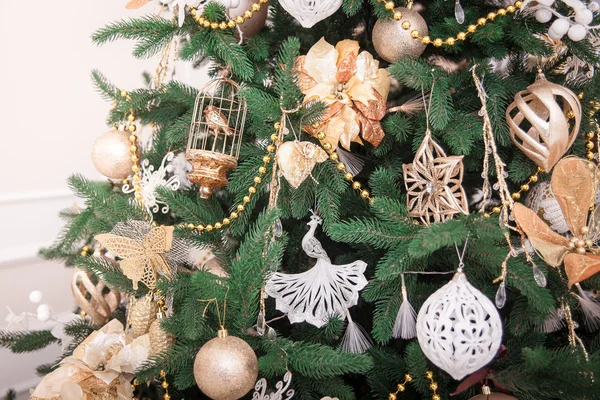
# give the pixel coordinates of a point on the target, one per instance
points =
(461, 255)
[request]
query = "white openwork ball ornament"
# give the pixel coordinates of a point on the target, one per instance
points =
(458, 328)
(309, 12)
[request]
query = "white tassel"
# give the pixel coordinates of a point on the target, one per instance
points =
(405, 326)
(353, 162)
(554, 322)
(355, 340)
(590, 309)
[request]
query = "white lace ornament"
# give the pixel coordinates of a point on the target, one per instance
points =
(260, 389)
(458, 328)
(152, 180)
(309, 12)
(324, 291)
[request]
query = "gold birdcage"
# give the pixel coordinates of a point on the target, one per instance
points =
(215, 134)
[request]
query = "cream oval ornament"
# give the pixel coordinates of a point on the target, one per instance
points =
(309, 12)
(458, 328)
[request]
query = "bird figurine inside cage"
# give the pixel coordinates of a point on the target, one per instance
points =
(215, 134)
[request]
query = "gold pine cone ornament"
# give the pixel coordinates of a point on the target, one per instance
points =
(226, 367)
(160, 339)
(141, 316)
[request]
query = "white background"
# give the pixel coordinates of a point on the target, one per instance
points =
(50, 116)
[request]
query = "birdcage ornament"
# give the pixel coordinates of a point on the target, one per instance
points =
(215, 134)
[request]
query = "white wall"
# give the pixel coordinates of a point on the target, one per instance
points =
(50, 117)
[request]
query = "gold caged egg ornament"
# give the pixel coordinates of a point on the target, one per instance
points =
(111, 154)
(393, 38)
(226, 367)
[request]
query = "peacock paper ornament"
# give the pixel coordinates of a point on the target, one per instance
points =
(324, 291)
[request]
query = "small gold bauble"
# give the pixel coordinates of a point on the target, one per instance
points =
(160, 340)
(392, 396)
(472, 28)
(461, 36)
(392, 38)
(111, 155)
(401, 387)
(226, 367)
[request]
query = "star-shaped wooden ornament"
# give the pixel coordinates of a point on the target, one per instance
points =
(434, 184)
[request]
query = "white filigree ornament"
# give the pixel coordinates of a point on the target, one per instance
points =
(152, 180)
(260, 389)
(458, 328)
(309, 12)
(324, 291)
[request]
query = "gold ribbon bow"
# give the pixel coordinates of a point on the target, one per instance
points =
(141, 259)
(574, 184)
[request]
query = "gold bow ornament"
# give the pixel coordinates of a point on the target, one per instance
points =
(141, 258)
(574, 184)
(100, 368)
(352, 85)
(297, 159)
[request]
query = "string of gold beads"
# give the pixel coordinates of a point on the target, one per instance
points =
(533, 178)
(451, 40)
(133, 151)
(165, 385)
(231, 23)
(401, 387)
(134, 387)
(85, 251)
(252, 190)
(333, 156)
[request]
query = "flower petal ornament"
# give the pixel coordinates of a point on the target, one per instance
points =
(309, 12)
(434, 184)
(352, 85)
(574, 184)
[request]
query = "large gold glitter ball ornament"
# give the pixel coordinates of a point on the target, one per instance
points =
(251, 26)
(226, 367)
(111, 154)
(392, 38)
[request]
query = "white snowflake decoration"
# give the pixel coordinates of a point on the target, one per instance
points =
(458, 328)
(260, 389)
(309, 12)
(152, 180)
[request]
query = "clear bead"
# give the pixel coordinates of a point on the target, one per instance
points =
(505, 174)
(496, 186)
(429, 186)
(501, 295)
(278, 228)
(459, 13)
(539, 276)
(259, 323)
(271, 333)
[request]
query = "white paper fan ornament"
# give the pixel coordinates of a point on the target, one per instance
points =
(458, 328)
(309, 12)
(324, 291)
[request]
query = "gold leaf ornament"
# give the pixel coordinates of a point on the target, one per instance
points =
(296, 160)
(539, 121)
(434, 184)
(141, 259)
(574, 183)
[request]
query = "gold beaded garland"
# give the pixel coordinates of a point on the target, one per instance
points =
(451, 40)
(401, 387)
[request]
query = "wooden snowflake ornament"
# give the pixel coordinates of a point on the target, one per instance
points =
(434, 184)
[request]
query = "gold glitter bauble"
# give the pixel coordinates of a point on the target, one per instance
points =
(141, 315)
(254, 25)
(392, 41)
(111, 155)
(160, 340)
(226, 367)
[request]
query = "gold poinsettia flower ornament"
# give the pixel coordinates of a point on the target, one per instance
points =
(574, 184)
(352, 85)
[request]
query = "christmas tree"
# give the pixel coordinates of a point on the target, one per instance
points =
(352, 163)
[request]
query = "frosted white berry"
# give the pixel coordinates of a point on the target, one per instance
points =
(558, 29)
(43, 312)
(543, 16)
(577, 32)
(35, 296)
(584, 16)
